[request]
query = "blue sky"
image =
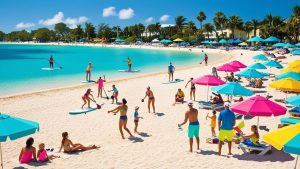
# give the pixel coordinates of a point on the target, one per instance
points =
(32, 14)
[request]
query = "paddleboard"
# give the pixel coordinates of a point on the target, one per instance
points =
(90, 81)
(129, 71)
(47, 68)
(85, 110)
(175, 81)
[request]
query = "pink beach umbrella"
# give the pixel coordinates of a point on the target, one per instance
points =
(228, 68)
(258, 106)
(208, 80)
(237, 64)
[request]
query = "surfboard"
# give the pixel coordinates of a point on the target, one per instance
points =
(81, 111)
(129, 71)
(175, 81)
(47, 68)
(90, 81)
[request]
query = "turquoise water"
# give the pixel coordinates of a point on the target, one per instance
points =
(20, 65)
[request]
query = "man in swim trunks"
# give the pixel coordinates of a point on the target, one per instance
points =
(226, 121)
(171, 70)
(193, 131)
(51, 60)
(151, 99)
(193, 88)
(129, 62)
(88, 72)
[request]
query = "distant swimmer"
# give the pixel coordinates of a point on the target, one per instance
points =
(88, 72)
(171, 70)
(51, 61)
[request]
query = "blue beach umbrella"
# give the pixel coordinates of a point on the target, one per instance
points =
(272, 63)
(279, 45)
(298, 44)
(293, 75)
(237, 41)
(255, 39)
(232, 88)
(183, 43)
(260, 57)
(272, 39)
(230, 41)
(257, 66)
(14, 128)
(119, 40)
(222, 41)
(295, 100)
(288, 45)
(296, 52)
(295, 110)
(251, 73)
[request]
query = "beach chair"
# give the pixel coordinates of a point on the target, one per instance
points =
(289, 121)
(263, 148)
(210, 106)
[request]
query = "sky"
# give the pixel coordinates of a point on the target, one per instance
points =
(32, 14)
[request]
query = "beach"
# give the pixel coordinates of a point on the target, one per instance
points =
(160, 143)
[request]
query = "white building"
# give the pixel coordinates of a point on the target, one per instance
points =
(238, 34)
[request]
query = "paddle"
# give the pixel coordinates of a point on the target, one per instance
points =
(105, 93)
(98, 106)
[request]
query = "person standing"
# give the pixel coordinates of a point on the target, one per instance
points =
(151, 99)
(115, 94)
(129, 62)
(51, 61)
(193, 130)
(171, 70)
(205, 59)
(193, 88)
(100, 85)
(226, 121)
(88, 72)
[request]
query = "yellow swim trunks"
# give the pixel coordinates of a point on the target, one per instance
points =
(226, 134)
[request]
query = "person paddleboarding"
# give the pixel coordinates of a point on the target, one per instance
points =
(87, 98)
(88, 72)
(51, 61)
(129, 62)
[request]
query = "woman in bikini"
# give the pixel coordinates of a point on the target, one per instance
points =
(123, 117)
(87, 99)
(193, 88)
(69, 147)
(151, 99)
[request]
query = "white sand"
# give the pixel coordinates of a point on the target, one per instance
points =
(163, 145)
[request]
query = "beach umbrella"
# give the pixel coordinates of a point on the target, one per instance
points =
(290, 69)
(232, 88)
(257, 66)
(251, 73)
(287, 84)
(255, 39)
(208, 80)
(272, 39)
(258, 106)
(288, 45)
(298, 44)
(295, 100)
(279, 45)
(237, 41)
(286, 138)
(230, 41)
(227, 68)
(237, 64)
(222, 41)
(292, 75)
(183, 43)
(119, 40)
(272, 63)
(295, 63)
(155, 40)
(243, 44)
(260, 57)
(14, 128)
(178, 40)
(295, 52)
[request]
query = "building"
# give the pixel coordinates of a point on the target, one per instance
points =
(238, 34)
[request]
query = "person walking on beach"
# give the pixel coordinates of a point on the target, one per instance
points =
(171, 70)
(115, 94)
(151, 99)
(129, 62)
(100, 85)
(88, 72)
(123, 117)
(87, 98)
(193, 88)
(205, 59)
(51, 61)
(193, 130)
(226, 121)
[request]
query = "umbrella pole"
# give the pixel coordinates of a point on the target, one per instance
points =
(296, 161)
(258, 122)
(1, 156)
(207, 93)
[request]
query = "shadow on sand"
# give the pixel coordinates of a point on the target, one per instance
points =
(136, 139)
(143, 134)
(160, 114)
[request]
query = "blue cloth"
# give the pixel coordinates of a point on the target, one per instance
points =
(171, 68)
(124, 118)
(136, 114)
(227, 118)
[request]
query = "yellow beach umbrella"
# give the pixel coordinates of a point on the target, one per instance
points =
(243, 44)
(291, 69)
(287, 84)
(295, 63)
(178, 40)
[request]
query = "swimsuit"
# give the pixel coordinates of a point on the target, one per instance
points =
(124, 118)
(85, 96)
(43, 156)
(26, 157)
(193, 87)
(193, 129)
(136, 115)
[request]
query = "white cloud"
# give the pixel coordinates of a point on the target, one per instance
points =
(24, 25)
(149, 20)
(73, 22)
(164, 18)
(109, 11)
(126, 13)
(57, 18)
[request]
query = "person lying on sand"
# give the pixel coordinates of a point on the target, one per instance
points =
(69, 147)
(87, 97)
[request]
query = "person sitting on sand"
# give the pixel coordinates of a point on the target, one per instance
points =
(213, 122)
(214, 72)
(151, 99)
(179, 96)
(136, 118)
(258, 83)
(100, 85)
(28, 153)
(123, 117)
(217, 99)
(240, 99)
(42, 154)
(87, 98)
(193, 130)
(231, 77)
(171, 70)
(88, 72)
(252, 139)
(193, 88)
(115, 94)
(69, 147)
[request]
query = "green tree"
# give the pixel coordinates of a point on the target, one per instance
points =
(208, 28)
(201, 17)
(89, 31)
(254, 25)
(190, 28)
(247, 27)
(44, 35)
(2, 36)
(77, 33)
(61, 30)
(234, 23)
(180, 22)
(220, 22)
(104, 31)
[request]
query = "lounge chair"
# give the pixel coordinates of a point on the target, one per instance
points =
(289, 120)
(295, 112)
(263, 148)
(210, 106)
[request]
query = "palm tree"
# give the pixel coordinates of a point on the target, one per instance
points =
(180, 21)
(157, 27)
(234, 22)
(220, 21)
(254, 25)
(271, 26)
(247, 27)
(201, 17)
(190, 28)
(208, 28)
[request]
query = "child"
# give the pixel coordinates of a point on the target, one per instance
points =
(252, 139)
(136, 119)
(86, 98)
(42, 154)
(213, 123)
(115, 94)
